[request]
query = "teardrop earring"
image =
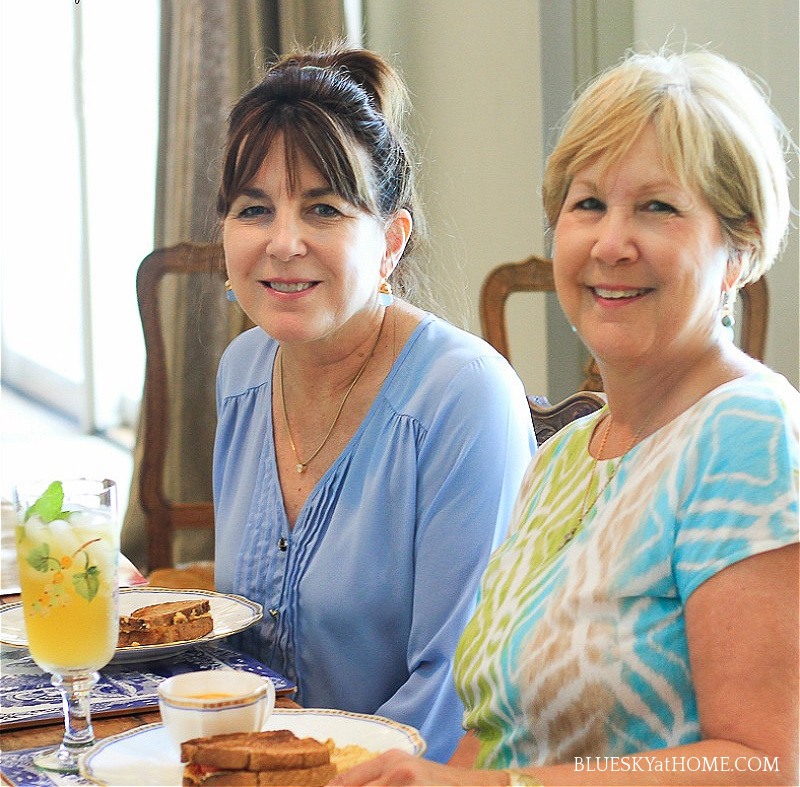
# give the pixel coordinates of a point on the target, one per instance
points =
(728, 320)
(229, 293)
(385, 296)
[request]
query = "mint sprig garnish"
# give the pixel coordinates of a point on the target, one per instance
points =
(50, 505)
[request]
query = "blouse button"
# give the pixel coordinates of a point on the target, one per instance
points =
(283, 544)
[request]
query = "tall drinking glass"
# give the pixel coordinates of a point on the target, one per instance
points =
(67, 537)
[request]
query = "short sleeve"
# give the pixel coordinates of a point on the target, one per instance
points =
(741, 482)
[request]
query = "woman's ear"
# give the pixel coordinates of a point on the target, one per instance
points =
(398, 231)
(733, 269)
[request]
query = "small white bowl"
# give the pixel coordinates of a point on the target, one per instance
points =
(198, 704)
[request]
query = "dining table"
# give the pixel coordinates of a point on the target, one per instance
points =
(19, 735)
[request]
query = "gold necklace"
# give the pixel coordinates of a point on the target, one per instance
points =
(584, 508)
(301, 465)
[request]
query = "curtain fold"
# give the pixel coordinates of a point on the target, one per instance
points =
(211, 52)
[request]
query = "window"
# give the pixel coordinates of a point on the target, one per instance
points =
(78, 157)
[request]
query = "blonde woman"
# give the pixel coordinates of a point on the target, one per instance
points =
(640, 623)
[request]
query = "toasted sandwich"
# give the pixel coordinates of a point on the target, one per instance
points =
(275, 758)
(172, 621)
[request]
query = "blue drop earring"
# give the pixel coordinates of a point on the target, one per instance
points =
(385, 297)
(229, 293)
(728, 320)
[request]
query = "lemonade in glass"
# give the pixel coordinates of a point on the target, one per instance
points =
(67, 538)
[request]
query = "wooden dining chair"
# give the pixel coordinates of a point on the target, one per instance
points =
(163, 515)
(550, 418)
(535, 274)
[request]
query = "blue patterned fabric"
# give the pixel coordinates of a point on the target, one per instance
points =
(579, 649)
(374, 584)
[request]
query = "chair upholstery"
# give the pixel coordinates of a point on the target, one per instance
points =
(535, 274)
(549, 418)
(164, 516)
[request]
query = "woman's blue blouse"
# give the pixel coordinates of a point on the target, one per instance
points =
(366, 596)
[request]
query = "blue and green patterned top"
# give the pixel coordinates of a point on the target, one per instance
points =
(579, 648)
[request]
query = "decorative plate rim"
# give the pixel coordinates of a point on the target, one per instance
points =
(256, 613)
(88, 771)
(414, 735)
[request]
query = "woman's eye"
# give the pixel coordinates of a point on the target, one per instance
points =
(251, 212)
(325, 211)
(590, 203)
(657, 206)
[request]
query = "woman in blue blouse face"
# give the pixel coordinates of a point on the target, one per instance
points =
(305, 262)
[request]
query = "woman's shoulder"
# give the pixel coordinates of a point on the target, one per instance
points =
(441, 365)
(246, 362)
(753, 418)
(437, 343)
(757, 394)
(439, 356)
(571, 442)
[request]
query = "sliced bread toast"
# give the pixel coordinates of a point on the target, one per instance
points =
(198, 776)
(256, 751)
(170, 612)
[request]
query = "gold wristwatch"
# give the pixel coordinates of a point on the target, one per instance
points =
(518, 778)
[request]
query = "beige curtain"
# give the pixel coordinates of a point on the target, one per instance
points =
(211, 52)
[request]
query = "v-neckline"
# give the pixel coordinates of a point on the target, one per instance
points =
(272, 455)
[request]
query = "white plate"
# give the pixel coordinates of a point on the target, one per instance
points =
(145, 756)
(230, 613)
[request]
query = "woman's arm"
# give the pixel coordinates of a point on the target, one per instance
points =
(466, 752)
(742, 627)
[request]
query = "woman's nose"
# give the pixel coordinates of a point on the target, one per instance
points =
(285, 240)
(616, 242)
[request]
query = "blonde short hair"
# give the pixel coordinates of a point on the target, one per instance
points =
(716, 130)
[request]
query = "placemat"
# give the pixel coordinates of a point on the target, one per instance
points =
(17, 770)
(27, 697)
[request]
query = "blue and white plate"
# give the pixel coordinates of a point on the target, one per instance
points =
(231, 614)
(147, 758)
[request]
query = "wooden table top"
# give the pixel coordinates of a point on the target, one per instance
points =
(51, 734)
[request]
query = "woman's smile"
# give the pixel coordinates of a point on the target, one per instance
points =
(606, 293)
(288, 287)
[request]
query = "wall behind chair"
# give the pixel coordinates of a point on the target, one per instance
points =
(472, 68)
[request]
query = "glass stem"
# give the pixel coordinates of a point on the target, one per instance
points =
(78, 732)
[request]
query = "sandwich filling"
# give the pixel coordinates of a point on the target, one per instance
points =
(173, 621)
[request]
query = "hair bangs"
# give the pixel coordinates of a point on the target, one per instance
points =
(307, 133)
(326, 145)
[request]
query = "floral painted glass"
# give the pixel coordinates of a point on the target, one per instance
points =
(67, 538)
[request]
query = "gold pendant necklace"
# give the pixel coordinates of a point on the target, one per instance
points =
(570, 534)
(301, 465)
